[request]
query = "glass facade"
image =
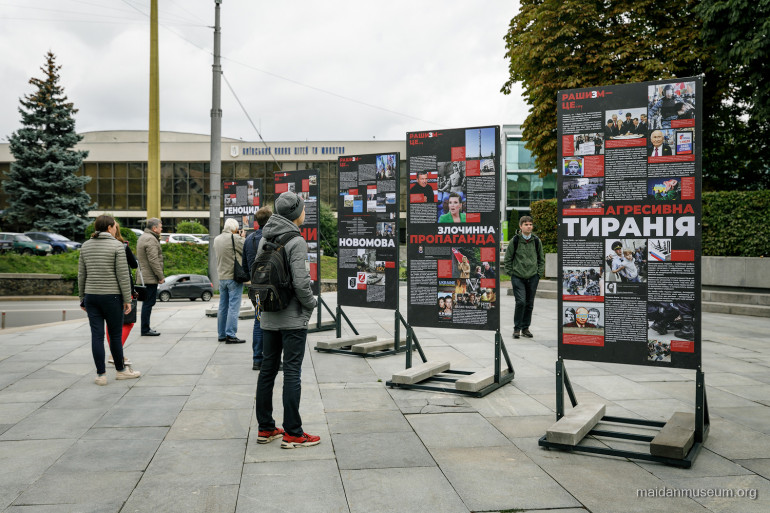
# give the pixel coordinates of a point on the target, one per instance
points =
(523, 185)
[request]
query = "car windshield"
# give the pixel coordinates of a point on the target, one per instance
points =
(22, 238)
(172, 279)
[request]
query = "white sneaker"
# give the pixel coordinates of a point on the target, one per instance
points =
(127, 373)
(101, 380)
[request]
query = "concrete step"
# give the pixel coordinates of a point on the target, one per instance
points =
(478, 380)
(736, 309)
(745, 298)
(676, 438)
(573, 426)
(336, 343)
(377, 345)
(419, 372)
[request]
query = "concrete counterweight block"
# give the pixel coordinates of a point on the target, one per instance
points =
(573, 426)
(419, 373)
(675, 438)
(478, 380)
(378, 345)
(336, 343)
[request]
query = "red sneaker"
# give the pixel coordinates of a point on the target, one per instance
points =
(265, 437)
(292, 442)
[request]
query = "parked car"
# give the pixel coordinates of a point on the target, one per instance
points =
(59, 243)
(24, 244)
(190, 286)
(137, 232)
(5, 245)
(179, 238)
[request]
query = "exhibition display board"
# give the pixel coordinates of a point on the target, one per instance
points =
(453, 226)
(242, 199)
(629, 208)
(368, 232)
(305, 184)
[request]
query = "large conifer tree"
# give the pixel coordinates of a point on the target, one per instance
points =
(44, 192)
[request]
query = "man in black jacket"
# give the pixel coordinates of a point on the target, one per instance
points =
(250, 246)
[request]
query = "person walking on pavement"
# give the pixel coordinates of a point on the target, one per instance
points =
(285, 331)
(524, 263)
(132, 264)
(150, 259)
(104, 286)
(228, 246)
(250, 246)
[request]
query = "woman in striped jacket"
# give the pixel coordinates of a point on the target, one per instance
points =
(104, 285)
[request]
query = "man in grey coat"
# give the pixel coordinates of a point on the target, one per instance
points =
(151, 266)
(286, 331)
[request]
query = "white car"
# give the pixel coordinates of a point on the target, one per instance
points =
(180, 238)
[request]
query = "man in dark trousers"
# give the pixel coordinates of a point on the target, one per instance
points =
(285, 331)
(151, 266)
(524, 263)
(250, 246)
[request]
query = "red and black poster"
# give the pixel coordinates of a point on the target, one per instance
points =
(629, 206)
(453, 222)
(305, 184)
(367, 223)
(242, 199)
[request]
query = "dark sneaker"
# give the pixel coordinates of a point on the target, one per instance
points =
(222, 339)
(516, 333)
(527, 333)
(234, 340)
(257, 366)
(292, 442)
(266, 437)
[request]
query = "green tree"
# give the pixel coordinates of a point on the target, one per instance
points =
(328, 230)
(190, 227)
(43, 189)
(566, 44)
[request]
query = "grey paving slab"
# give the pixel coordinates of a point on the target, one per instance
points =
(523, 427)
(12, 413)
(412, 490)
(240, 374)
(89, 455)
(27, 390)
(23, 462)
(391, 450)
(500, 478)
(736, 442)
(81, 487)
(132, 433)
(264, 488)
(760, 466)
(356, 399)
(256, 453)
(143, 411)
(91, 396)
(210, 425)
(221, 397)
(729, 494)
(214, 462)
(456, 430)
(157, 494)
(363, 422)
(45, 424)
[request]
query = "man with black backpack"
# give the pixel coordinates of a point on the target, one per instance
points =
(284, 319)
(524, 263)
(250, 247)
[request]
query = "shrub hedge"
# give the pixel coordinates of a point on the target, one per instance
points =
(735, 223)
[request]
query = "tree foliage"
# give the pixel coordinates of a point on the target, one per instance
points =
(44, 193)
(328, 235)
(565, 44)
(190, 226)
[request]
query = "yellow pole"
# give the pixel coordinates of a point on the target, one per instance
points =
(153, 143)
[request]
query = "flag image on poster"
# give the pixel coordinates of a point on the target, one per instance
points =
(453, 221)
(629, 228)
(367, 224)
(242, 199)
(304, 183)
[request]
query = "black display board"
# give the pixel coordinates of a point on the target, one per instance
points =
(242, 199)
(629, 207)
(305, 184)
(453, 222)
(367, 223)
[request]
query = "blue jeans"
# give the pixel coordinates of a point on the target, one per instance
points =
(107, 308)
(230, 293)
(524, 290)
(147, 304)
(256, 341)
(292, 344)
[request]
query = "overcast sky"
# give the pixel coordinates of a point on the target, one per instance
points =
(303, 70)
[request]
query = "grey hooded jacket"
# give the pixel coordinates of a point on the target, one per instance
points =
(297, 314)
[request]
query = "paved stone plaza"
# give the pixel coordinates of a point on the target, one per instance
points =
(182, 438)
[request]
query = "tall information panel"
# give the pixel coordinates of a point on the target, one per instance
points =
(453, 222)
(305, 184)
(629, 207)
(242, 199)
(367, 222)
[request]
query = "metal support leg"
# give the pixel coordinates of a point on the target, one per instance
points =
(338, 322)
(559, 389)
(498, 343)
